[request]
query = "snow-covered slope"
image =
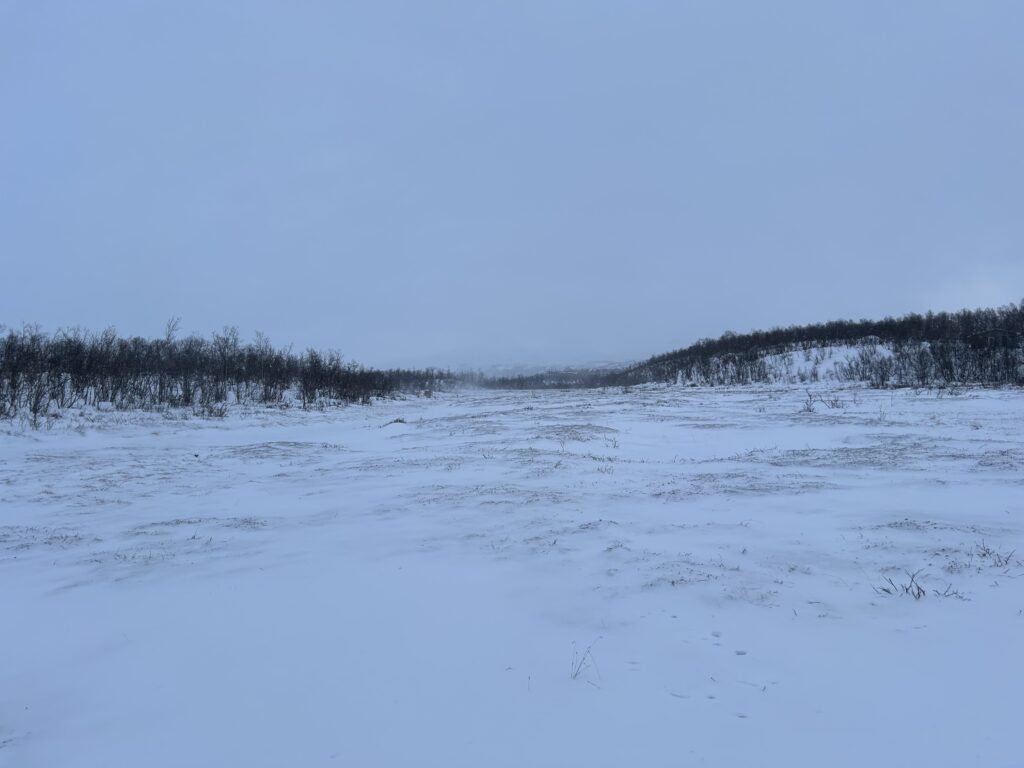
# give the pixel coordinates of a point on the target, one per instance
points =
(832, 363)
(673, 576)
(868, 360)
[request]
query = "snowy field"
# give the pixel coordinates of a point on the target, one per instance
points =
(665, 577)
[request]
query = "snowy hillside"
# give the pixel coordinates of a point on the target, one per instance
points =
(868, 361)
(802, 365)
(982, 346)
(673, 576)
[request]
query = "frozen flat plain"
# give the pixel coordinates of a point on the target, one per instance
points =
(670, 576)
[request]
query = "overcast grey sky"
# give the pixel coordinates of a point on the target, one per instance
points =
(476, 182)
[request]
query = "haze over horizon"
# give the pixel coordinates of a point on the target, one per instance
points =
(467, 184)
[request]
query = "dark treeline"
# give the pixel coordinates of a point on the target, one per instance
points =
(982, 346)
(41, 373)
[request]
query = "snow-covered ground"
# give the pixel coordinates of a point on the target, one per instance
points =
(668, 576)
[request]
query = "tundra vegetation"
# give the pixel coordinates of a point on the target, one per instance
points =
(944, 349)
(42, 374)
